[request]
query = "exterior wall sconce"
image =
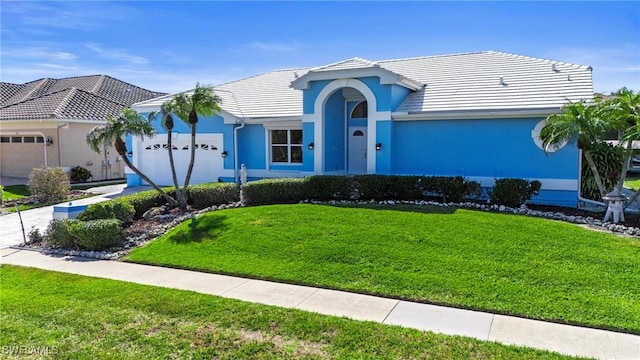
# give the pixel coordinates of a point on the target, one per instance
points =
(311, 146)
(49, 141)
(224, 154)
(379, 146)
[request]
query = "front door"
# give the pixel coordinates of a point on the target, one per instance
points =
(357, 154)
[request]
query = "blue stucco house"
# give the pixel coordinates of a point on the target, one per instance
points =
(476, 115)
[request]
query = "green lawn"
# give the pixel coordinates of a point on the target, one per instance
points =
(76, 317)
(517, 265)
(632, 183)
(12, 192)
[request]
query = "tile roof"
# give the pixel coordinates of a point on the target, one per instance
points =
(491, 80)
(90, 98)
(349, 64)
(264, 95)
(482, 81)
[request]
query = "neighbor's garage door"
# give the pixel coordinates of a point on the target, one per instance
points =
(154, 158)
(20, 154)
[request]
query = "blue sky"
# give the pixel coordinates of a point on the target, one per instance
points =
(169, 46)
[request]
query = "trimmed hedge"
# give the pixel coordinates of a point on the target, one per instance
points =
(328, 187)
(87, 235)
(358, 187)
(97, 234)
(143, 201)
(116, 209)
(273, 191)
(58, 233)
(514, 192)
(450, 189)
(210, 194)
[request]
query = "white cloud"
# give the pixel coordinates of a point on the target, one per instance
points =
(613, 67)
(117, 54)
(37, 53)
(75, 15)
(273, 46)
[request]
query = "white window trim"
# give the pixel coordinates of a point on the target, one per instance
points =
(281, 126)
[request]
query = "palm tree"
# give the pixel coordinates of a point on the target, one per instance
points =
(167, 123)
(622, 111)
(187, 107)
(577, 121)
(112, 133)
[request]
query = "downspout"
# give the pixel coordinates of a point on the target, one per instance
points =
(235, 149)
(58, 141)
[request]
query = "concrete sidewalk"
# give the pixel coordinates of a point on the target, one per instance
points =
(570, 340)
(11, 230)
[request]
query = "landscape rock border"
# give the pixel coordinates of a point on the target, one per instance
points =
(168, 221)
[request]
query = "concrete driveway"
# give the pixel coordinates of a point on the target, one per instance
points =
(8, 180)
(11, 228)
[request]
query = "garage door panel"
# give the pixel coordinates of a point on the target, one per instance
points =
(19, 159)
(154, 161)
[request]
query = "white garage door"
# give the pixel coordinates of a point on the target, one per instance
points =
(19, 155)
(154, 158)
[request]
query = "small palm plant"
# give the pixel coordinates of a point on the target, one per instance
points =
(112, 134)
(580, 122)
(187, 107)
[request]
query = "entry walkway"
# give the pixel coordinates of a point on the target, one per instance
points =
(571, 340)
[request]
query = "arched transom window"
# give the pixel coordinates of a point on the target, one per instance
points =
(360, 111)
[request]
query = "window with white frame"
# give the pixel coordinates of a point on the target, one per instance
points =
(286, 146)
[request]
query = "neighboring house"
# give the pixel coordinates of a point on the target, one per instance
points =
(45, 123)
(476, 115)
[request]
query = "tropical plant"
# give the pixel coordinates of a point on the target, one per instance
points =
(607, 158)
(578, 122)
(187, 107)
(112, 134)
(622, 111)
(166, 121)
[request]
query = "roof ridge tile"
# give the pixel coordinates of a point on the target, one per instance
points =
(65, 102)
(98, 84)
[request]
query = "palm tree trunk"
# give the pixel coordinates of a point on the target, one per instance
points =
(121, 148)
(193, 156)
(179, 193)
(625, 165)
(596, 174)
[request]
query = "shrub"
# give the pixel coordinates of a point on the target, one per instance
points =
(80, 174)
(49, 184)
(382, 187)
(451, 189)
(97, 234)
(328, 187)
(513, 192)
(143, 201)
(115, 209)
(608, 159)
(206, 195)
(58, 233)
(273, 191)
(34, 235)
